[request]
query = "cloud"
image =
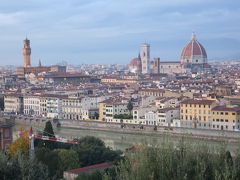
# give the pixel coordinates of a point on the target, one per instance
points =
(71, 28)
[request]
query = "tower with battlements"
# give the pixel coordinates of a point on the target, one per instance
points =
(26, 51)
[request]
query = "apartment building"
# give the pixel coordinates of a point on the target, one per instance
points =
(31, 104)
(226, 118)
(72, 108)
(13, 103)
(162, 117)
(195, 113)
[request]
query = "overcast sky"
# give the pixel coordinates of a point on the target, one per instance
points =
(111, 31)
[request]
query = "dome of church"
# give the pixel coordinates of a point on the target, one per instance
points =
(135, 65)
(135, 62)
(194, 52)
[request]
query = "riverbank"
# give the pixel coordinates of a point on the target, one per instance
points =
(201, 134)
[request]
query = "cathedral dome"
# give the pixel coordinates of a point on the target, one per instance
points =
(135, 65)
(134, 62)
(194, 52)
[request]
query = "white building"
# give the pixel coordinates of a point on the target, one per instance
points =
(13, 103)
(162, 117)
(31, 105)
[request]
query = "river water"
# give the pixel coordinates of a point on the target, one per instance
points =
(119, 140)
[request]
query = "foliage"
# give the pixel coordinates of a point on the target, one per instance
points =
(50, 159)
(96, 115)
(92, 150)
(20, 167)
(20, 144)
(48, 130)
(1, 104)
(67, 159)
(96, 175)
(184, 161)
(123, 116)
(130, 106)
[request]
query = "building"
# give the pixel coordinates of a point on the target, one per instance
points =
(28, 69)
(196, 113)
(26, 51)
(156, 65)
(145, 58)
(111, 107)
(31, 104)
(13, 103)
(51, 105)
(223, 90)
(171, 67)
(162, 117)
(74, 173)
(135, 66)
(6, 124)
(72, 108)
(194, 56)
(226, 118)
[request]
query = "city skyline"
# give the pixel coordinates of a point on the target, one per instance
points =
(100, 32)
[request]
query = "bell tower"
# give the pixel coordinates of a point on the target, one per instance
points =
(145, 57)
(26, 51)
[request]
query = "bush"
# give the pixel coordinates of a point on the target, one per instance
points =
(123, 116)
(184, 161)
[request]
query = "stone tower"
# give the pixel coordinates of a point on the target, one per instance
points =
(156, 65)
(26, 51)
(145, 57)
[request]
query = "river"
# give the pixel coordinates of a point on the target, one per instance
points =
(119, 140)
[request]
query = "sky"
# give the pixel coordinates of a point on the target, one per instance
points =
(111, 31)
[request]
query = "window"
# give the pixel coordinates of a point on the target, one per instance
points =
(226, 113)
(6, 133)
(221, 113)
(226, 120)
(233, 114)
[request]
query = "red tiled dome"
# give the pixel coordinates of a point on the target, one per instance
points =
(193, 48)
(135, 62)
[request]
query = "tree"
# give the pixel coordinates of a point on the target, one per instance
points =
(21, 167)
(48, 130)
(67, 159)
(21, 144)
(130, 106)
(50, 159)
(92, 150)
(96, 175)
(1, 104)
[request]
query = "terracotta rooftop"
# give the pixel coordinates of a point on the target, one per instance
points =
(225, 108)
(195, 101)
(96, 166)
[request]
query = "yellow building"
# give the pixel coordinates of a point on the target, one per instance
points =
(196, 113)
(225, 118)
(102, 111)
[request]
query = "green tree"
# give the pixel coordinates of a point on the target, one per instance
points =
(96, 175)
(50, 159)
(130, 106)
(92, 150)
(67, 159)
(48, 130)
(1, 104)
